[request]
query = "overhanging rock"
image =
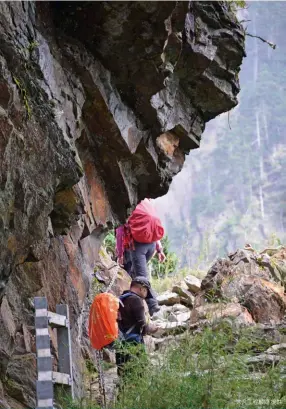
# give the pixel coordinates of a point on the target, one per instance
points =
(99, 104)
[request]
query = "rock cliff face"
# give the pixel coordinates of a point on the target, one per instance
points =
(99, 104)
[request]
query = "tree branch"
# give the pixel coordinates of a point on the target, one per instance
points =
(262, 39)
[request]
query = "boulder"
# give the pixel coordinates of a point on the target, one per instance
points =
(178, 308)
(185, 295)
(242, 262)
(218, 311)
(166, 342)
(279, 349)
(179, 288)
(265, 301)
(166, 311)
(150, 344)
(179, 317)
(218, 271)
(162, 314)
(193, 283)
(172, 317)
(187, 298)
(247, 278)
(263, 360)
(278, 264)
(184, 316)
(268, 334)
(168, 328)
(168, 298)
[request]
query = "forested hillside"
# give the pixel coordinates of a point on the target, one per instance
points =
(233, 189)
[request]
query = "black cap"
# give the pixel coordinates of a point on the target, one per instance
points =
(144, 282)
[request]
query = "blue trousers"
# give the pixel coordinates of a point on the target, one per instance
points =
(140, 256)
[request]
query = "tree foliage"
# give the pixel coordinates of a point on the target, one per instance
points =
(169, 267)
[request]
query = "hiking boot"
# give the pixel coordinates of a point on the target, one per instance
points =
(155, 310)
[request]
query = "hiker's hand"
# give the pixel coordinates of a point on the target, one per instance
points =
(161, 257)
(120, 261)
(152, 328)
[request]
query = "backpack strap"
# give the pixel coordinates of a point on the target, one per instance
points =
(126, 295)
(130, 329)
(123, 296)
(128, 239)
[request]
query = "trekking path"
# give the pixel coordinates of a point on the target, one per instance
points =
(246, 289)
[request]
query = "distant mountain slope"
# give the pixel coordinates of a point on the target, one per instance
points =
(233, 189)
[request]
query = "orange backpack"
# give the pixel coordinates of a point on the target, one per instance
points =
(103, 327)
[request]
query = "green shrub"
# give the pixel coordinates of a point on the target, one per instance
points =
(208, 370)
(169, 267)
(110, 243)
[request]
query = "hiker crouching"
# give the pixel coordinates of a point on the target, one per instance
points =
(132, 323)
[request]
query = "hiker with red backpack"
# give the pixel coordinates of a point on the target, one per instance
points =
(140, 239)
(123, 253)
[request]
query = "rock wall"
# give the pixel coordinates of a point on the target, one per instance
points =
(99, 104)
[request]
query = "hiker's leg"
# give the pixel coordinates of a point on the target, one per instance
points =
(139, 258)
(152, 303)
(150, 251)
(127, 262)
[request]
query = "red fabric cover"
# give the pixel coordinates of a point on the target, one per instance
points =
(144, 223)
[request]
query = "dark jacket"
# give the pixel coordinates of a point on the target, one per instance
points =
(133, 313)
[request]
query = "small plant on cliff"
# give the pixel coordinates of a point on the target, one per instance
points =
(32, 46)
(234, 6)
(24, 96)
(110, 243)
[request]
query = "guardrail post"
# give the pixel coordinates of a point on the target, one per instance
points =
(64, 345)
(46, 376)
(44, 387)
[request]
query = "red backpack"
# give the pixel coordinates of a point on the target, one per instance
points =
(144, 223)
